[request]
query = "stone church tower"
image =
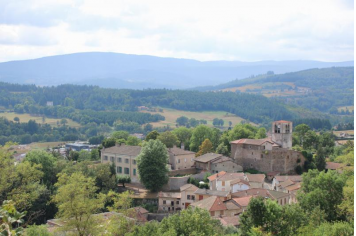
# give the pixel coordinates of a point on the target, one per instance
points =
(282, 133)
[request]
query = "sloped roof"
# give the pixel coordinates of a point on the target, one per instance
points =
(188, 186)
(257, 142)
(211, 192)
(294, 178)
(221, 159)
(286, 183)
(243, 201)
(212, 203)
(141, 210)
(207, 157)
(169, 194)
(231, 176)
(230, 220)
(251, 192)
(213, 177)
(242, 181)
(260, 178)
(293, 187)
(231, 205)
(277, 194)
(123, 150)
(282, 121)
(178, 151)
(333, 165)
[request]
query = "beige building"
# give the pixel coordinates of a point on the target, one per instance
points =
(187, 195)
(124, 158)
(215, 163)
(280, 197)
(256, 180)
(180, 158)
(169, 201)
(213, 204)
(201, 194)
(269, 154)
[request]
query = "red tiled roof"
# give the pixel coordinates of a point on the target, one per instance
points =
(260, 178)
(293, 187)
(213, 177)
(169, 194)
(231, 176)
(243, 201)
(282, 121)
(212, 203)
(333, 165)
(294, 178)
(236, 181)
(230, 220)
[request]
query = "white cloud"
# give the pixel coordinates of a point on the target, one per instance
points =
(204, 30)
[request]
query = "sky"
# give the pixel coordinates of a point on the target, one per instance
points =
(243, 30)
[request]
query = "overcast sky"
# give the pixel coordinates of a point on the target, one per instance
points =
(246, 30)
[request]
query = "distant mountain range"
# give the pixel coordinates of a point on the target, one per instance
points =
(116, 70)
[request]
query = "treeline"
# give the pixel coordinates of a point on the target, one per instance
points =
(31, 131)
(69, 98)
(315, 124)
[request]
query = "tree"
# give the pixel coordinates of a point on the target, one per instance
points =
(152, 165)
(199, 134)
(123, 179)
(105, 177)
(230, 123)
(120, 135)
(148, 128)
(183, 134)
(37, 230)
(133, 141)
(17, 119)
(10, 216)
(261, 133)
(346, 208)
(320, 159)
(182, 121)
(77, 201)
(300, 131)
(152, 135)
(169, 139)
(64, 122)
(204, 148)
(324, 190)
(109, 142)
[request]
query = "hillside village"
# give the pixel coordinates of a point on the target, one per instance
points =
(229, 189)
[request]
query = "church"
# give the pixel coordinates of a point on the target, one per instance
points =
(270, 154)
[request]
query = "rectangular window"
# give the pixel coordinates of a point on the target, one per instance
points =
(111, 158)
(119, 159)
(105, 158)
(185, 159)
(134, 162)
(193, 197)
(127, 171)
(178, 160)
(126, 160)
(119, 169)
(188, 197)
(134, 171)
(177, 202)
(164, 201)
(223, 183)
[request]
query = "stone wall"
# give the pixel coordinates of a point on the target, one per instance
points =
(182, 172)
(174, 183)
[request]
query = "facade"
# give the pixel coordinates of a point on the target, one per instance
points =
(277, 180)
(187, 195)
(223, 183)
(203, 162)
(169, 201)
(213, 204)
(239, 185)
(180, 158)
(212, 179)
(280, 197)
(224, 164)
(256, 180)
(201, 194)
(124, 158)
(270, 154)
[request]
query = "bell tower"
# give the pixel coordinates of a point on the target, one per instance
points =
(282, 133)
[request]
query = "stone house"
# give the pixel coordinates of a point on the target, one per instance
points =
(213, 204)
(256, 180)
(242, 202)
(223, 182)
(169, 201)
(280, 197)
(212, 179)
(124, 158)
(201, 194)
(230, 221)
(277, 180)
(232, 208)
(203, 162)
(180, 158)
(224, 163)
(187, 195)
(270, 154)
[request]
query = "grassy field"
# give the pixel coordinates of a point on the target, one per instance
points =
(350, 132)
(26, 117)
(350, 108)
(36, 146)
(171, 116)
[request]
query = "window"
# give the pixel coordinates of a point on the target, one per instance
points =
(185, 159)
(177, 202)
(261, 155)
(127, 171)
(134, 162)
(105, 158)
(119, 159)
(252, 153)
(249, 146)
(111, 158)
(188, 197)
(193, 197)
(223, 183)
(119, 169)
(134, 171)
(126, 160)
(178, 161)
(164, 201)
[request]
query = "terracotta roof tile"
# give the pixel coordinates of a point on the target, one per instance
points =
(187, 186)
(178, 151)
(333, 166)
(207, 157)
(260, 178)
(243, 201)
(213, 177)
(231, 176)
(294, 178)
(230, 220)
(124, 150)
(236, 181)
(169, 194)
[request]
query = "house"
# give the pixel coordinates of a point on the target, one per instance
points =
(242, 202)
(77, 146)
(279, 179)
(223, 182)
(212, 179)
(269, 154)
(256, 180)
(230, 221)
(213, 204)
(169, 201)
(239, 185)
(187, 195)
(224, 163)
(201, 194)
(180, 158)
(124, 158)
(333, 166)
(232, 208)
(293, 190)
(203, 162)
(280, 197)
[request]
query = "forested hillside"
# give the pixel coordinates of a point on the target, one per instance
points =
(324, 90)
